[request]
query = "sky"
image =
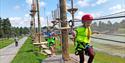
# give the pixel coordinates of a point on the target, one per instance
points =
(18, 10)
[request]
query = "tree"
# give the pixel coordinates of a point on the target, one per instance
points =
(110, 26)
(6, 27)
(25, 30)
(17, 31)
(115, 26)
(122, 24)
(21, 31)
(94, 26)
(1, 30)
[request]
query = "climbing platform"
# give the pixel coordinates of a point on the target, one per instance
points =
(58, 59)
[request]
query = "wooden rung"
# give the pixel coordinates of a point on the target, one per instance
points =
(40, 43)
(44, 46)
(64, 27)
(47, 52)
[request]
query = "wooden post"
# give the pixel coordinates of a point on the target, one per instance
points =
(33, 12)
(31, 24)
(64, 32)
(39, 25)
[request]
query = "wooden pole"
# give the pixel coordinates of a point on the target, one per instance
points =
(64, 32)
(39, 25)
(72, 13)
(33, 12)
(31, 25)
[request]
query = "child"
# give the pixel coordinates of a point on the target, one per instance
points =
(51, 42)
(82, 39)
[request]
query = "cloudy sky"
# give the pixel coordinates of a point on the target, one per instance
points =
(18, 10)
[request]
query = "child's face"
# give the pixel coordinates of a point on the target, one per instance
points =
(87, 24)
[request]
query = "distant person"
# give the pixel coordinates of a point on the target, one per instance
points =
(51, 41)
(82, 39)
(16, 41)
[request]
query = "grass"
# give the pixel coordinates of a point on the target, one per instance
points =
(58, 48)
(106, 58)
(28, 54)
(5, 42)
(101, 57)
(121, 30)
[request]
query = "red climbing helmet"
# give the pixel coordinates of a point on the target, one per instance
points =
(87, 17)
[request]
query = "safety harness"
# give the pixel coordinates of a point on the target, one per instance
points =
(82, 40)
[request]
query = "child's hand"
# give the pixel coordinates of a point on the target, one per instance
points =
(96, 33)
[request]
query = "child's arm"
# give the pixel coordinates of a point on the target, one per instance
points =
(73, 36)
(95, 32)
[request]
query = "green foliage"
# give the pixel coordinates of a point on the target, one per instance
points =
(108, 27)
(1, 30)
(7, 31)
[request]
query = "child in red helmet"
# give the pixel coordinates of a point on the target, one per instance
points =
(82, 39)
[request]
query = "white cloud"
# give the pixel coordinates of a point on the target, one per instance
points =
(117, 8)
(42, 4)
(17, 7)
(29, 2)
(68, 6)
(83, 3)
(43, 22)
(27, 15)
(19, 22)
(25, 22)
(81, 13)
(101, 2)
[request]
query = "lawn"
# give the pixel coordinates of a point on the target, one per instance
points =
(28, 54)
(5, 42)
(101, 57)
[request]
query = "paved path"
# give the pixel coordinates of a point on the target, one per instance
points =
(58, 59)
(8, 53)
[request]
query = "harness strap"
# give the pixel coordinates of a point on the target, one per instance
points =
(79, 49)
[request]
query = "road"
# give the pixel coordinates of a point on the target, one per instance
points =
(8, 53)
